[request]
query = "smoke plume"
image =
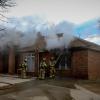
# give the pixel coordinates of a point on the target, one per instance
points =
(32, 30)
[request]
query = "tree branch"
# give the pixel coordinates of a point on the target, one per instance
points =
(4, 4)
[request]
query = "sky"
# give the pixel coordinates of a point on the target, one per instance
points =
(76, 11)
(89, 30)
(47, 14)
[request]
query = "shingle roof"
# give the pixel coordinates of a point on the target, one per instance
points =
(78, 42)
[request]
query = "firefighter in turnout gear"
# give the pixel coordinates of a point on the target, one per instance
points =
(42, 68)
(52, 63)
(24, 68)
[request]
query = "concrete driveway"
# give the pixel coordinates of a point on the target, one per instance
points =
(30, 89)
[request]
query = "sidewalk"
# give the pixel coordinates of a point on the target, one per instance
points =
(81, 93)
(8, 80)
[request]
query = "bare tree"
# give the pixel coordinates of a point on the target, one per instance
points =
(5, 4)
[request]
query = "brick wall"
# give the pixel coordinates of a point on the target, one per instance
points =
(93, 64)
(80, 64)
(11, 61)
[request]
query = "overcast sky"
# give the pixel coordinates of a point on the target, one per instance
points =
(76, 11)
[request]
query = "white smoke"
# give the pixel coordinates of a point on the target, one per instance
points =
(23, 31)
(64, 29)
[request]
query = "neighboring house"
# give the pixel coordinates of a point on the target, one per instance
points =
(80, 60)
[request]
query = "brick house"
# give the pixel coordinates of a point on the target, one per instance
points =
(85, 59)
(80, 60)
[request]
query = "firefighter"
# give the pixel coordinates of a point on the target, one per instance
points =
(52, 63)
(43, 66)
(24, 68)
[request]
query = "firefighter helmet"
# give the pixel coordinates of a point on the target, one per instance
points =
(25, 60)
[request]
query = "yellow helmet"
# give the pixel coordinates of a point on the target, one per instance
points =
(25, 59)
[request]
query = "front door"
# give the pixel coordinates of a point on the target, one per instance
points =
(31, 63)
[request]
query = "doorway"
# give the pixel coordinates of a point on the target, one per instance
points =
(31, 62)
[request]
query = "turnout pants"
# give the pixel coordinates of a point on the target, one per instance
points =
(42, 74)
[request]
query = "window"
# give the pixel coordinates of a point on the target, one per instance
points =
(63, 63)
(63, 60)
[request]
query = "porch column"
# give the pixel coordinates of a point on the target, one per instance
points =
(36, 62)
(1, 63)
(11, 61)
